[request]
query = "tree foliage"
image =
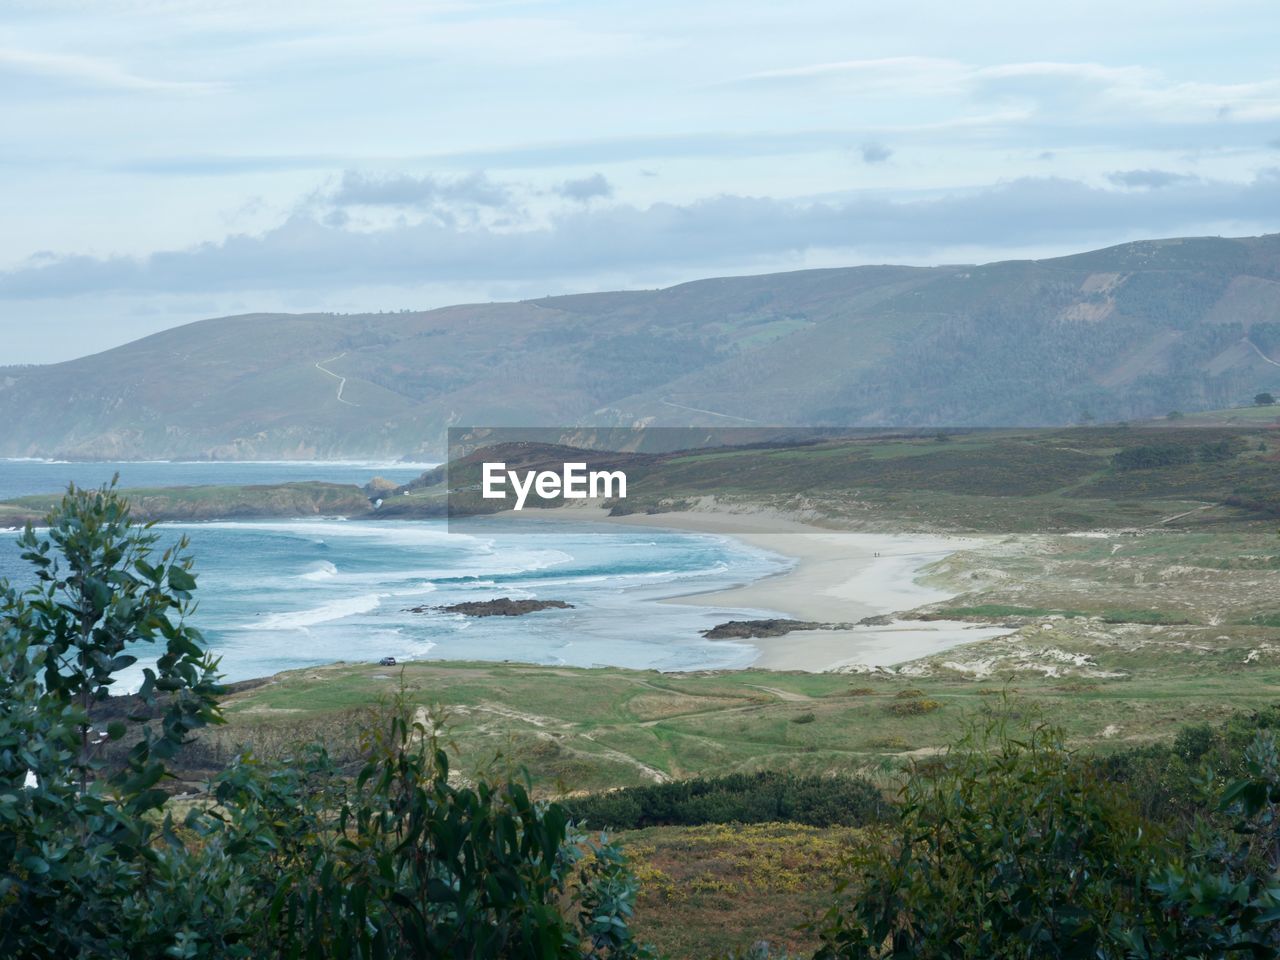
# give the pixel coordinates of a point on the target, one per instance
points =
(761, 797)
(1016, 847)
(297, 859)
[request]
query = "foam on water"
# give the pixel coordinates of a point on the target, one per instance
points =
(325, 613)
(320, 570)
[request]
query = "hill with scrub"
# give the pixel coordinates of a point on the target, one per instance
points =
(1127, 332)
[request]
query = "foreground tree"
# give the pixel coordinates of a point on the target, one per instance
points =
(299, 859)
(77, 838)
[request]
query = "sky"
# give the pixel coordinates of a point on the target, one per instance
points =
(163, 161)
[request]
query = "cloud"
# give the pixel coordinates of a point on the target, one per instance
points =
(1076, 88)
(585, 189)
(1148, 179)
(713, 234)
(94, 73)
(903, 75)
(1005, 127)
(875, 153)
(401, 190)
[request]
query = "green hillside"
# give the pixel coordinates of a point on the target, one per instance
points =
(1165, 473)
(1128, 332)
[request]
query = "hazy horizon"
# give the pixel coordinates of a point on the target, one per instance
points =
(173, 161)
(422, 309)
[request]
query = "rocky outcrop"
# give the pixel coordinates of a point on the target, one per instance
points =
(379, 488)
(746, 629)
(501, 607)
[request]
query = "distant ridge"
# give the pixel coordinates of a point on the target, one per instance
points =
(1131, 331)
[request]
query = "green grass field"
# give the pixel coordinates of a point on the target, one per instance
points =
(578, 729)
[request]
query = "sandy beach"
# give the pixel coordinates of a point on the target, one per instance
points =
(839, 577)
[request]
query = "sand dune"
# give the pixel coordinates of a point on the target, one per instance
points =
(839, 577)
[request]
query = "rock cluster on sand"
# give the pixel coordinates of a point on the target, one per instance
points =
(746, 629)
(501, 607)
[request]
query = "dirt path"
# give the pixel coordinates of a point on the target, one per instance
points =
(781, 694)
(342, 381)
(727, 416)
(544, 723)
(617, 755)
(1179, 516)
(1258, 351)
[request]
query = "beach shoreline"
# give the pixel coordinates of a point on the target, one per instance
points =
(839, 576)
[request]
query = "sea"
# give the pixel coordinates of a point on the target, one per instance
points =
(289, 594)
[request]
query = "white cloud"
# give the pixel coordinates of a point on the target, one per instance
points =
(1076, 86)
(715, 234)
(425, 192)
(94, 73)
(130, 126)
(1149, 179)
(585, 189)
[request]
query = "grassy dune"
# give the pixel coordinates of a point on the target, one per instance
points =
(261, 501)
(579, 729)
(1005, 481)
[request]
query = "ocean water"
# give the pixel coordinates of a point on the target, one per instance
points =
(281, 595)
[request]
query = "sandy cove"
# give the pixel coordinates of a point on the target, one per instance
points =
(839, 577)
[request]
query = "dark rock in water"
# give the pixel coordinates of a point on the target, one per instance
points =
(746, 629)
(878, 621)
(501, 607)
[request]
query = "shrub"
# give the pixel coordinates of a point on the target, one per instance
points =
(738, 798)
(804, 718)
(399, 862)
(915, 707)
(1153, 455)
(1014, 847)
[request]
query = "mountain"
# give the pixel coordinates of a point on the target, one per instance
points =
(1130, 331)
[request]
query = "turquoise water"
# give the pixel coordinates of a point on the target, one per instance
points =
(287, 594)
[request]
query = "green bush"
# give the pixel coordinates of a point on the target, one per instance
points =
(1152, 455)
(912, 707)
(738, 798)
(1014, 847)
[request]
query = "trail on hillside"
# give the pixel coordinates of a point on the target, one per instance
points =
(727, 416)
(780, 693)
(1258, 351)
(342, 381)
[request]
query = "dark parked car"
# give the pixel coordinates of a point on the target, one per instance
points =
(387, 662)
